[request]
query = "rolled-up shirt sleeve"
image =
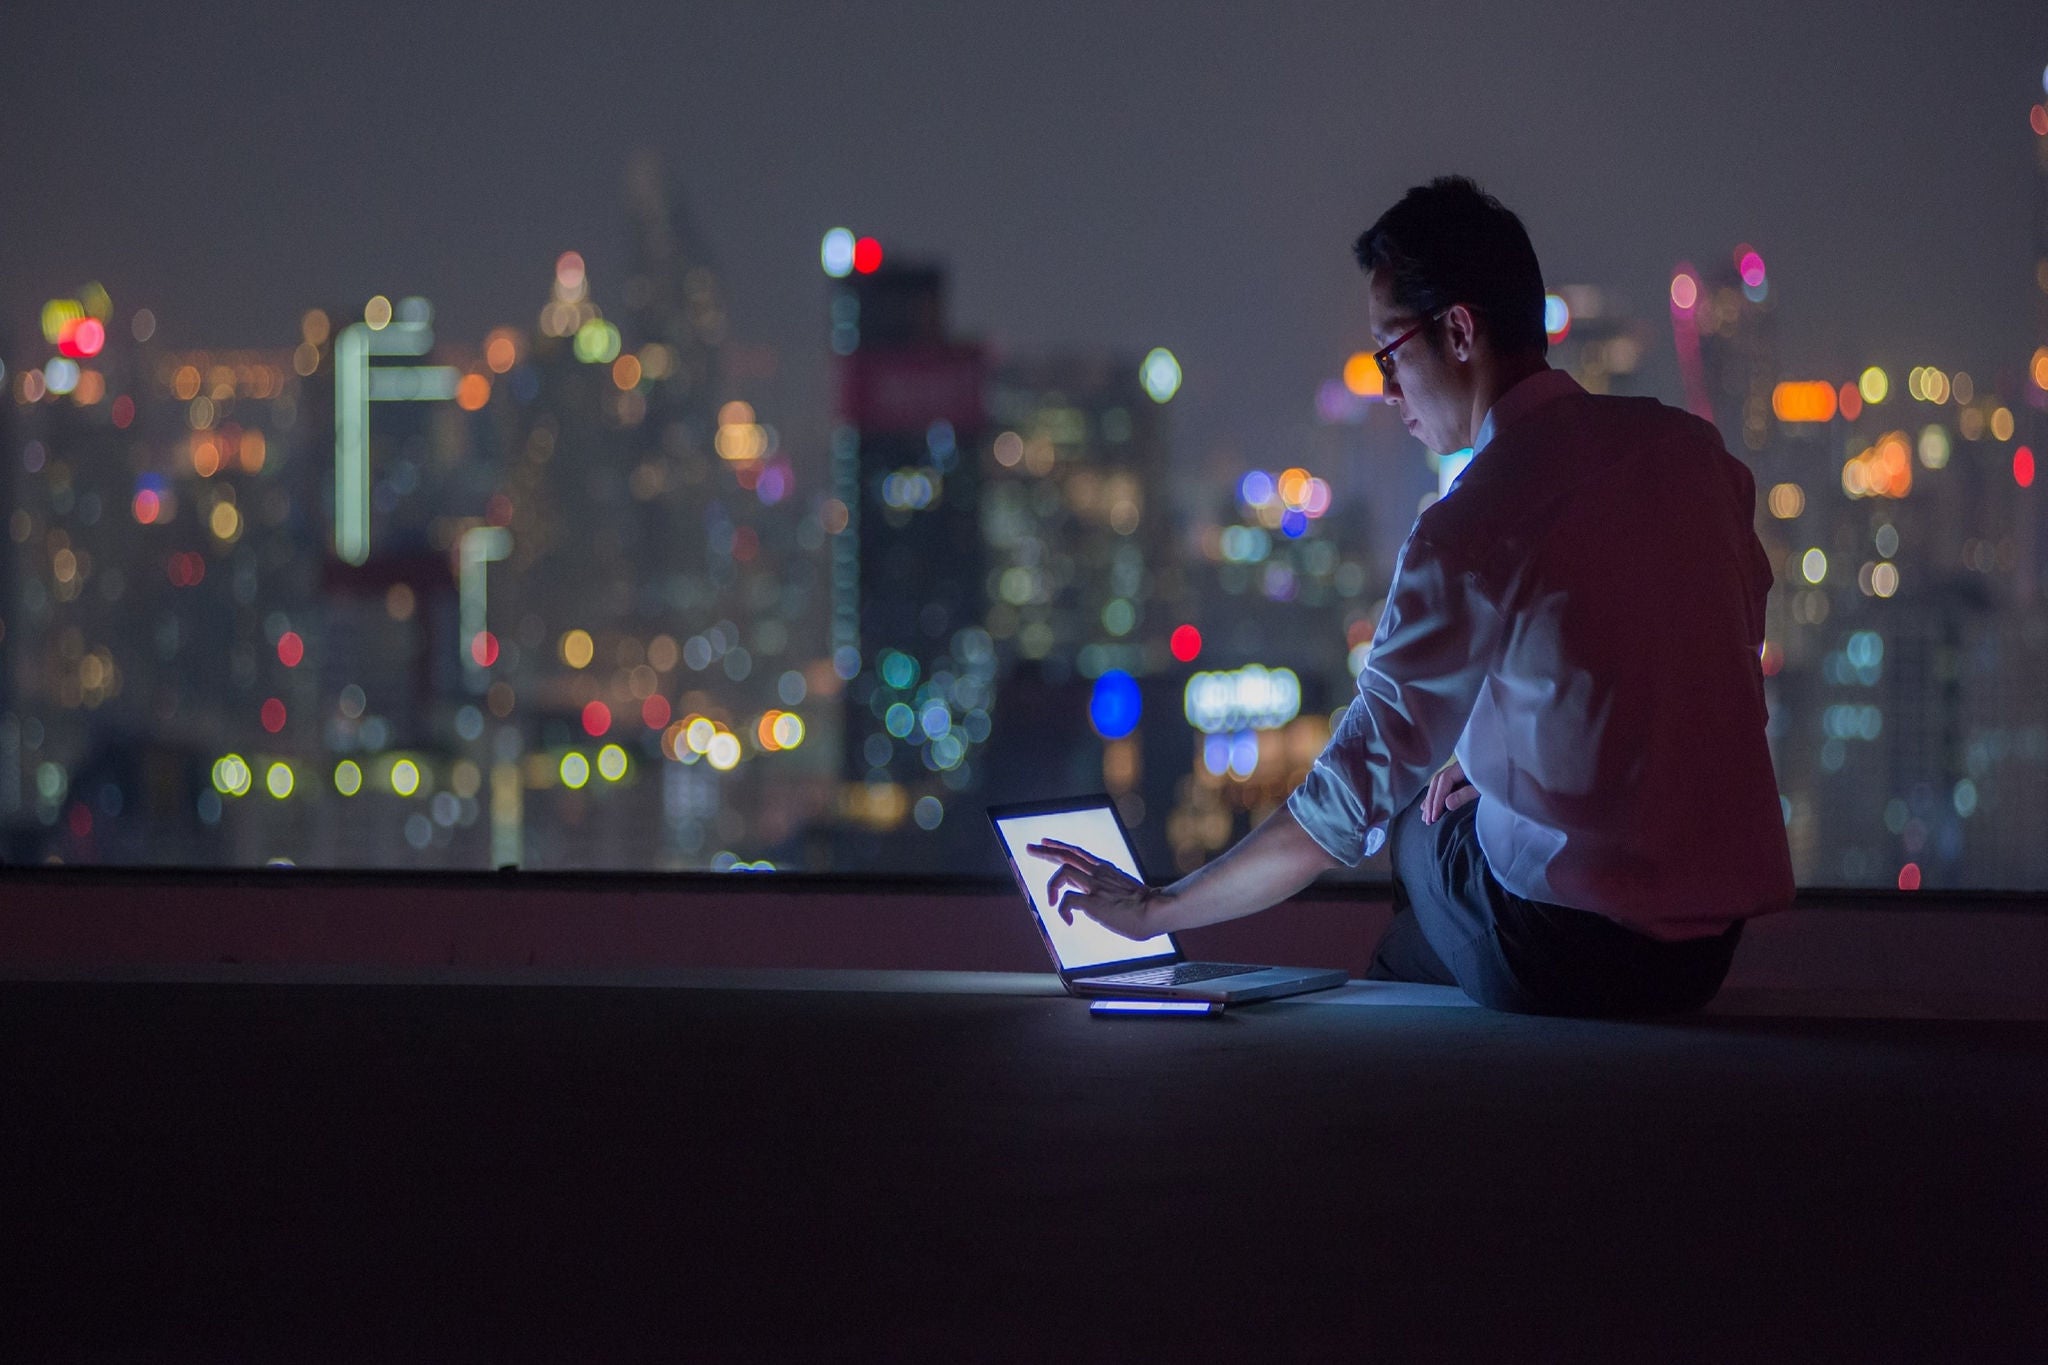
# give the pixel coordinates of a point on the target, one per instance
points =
(1429, 657)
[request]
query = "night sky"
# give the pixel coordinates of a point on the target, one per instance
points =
(1097, 173)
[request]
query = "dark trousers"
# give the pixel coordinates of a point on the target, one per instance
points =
(1455, 925)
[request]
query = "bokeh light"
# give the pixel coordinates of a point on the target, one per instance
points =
(835, 253)
(1160, 374)
(1114, 704)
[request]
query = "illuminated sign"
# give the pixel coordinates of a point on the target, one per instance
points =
(1248, 698)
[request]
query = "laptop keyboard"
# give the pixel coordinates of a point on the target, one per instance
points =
(1174, 974)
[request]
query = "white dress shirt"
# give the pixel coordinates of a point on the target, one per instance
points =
(1579, 621)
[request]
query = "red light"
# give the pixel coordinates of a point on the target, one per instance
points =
(746, 543)
(273, 715)
(185, 570)
(498, 511)
(1186, 643)
(89, 336)
(654, 712)
(597, 718)
(483, 647)
(80, 820)
(147, 505)
(867, 255)
(290, 649)
(124, 411)
(2023, 467)
(2037, 119)
(1909, 877)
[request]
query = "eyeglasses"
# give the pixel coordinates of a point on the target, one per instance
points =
(1384, 356)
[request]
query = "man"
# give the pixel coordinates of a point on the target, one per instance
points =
(1560, 723)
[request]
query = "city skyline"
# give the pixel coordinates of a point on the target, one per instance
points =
(602, 584)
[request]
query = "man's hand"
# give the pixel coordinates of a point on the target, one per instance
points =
(1448, 790)
(1101, 890)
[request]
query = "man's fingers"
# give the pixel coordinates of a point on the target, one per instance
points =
(1066, 876)
(1463, 796)
(1072, 901)
(1066, 853)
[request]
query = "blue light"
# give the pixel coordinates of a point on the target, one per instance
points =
(1293, 524)
(1557, 316)
(835, 253)
(1114, 706)
(1257, 488)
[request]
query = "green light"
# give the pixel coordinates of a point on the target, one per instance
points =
(231, 775)
(611, 762)
(575, 771)
(279, 780)
(348, 777)
(597, 342)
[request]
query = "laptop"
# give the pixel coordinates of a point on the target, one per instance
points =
(1095, 961)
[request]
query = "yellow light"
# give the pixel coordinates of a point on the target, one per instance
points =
(764, 731)
(740, 442)
(724, 752)
(314, 328)
(611, 762)
(789, 730)
(226, 522)
(279, 780)
(1813, 565)
(575, 770)
(698, 734)
(348, 777)
(736, 414)
(1804, 401)
(1294, 487)
(405, 777)
(2001, 424)
(377, 312)
(2039, 369)
(1884, 579)
(1874, 385)
(577, 649)
(1362, 376)
(1787, 500)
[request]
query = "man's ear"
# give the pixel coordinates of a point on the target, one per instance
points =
(1461, 331)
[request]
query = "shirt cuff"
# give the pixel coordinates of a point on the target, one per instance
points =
(1330, 813)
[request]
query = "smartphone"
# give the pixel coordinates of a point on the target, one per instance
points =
(1149, 1008)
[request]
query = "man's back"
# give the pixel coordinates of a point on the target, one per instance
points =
(1618, 739)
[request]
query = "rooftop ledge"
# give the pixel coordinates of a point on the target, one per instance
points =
(1923, 954)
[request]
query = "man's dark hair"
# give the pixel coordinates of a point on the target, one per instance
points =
(1451, 242)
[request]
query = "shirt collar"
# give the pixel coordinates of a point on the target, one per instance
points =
(1525, 397)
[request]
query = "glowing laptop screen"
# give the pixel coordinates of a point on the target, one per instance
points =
(1084, 943)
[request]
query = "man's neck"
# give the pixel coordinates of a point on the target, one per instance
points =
(1496, 380)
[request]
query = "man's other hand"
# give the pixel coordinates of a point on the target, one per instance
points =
(1101, 890)
(1448, 790)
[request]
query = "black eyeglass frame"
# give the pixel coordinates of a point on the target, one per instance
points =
(1384, 356)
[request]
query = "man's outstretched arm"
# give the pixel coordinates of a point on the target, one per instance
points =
(1264, 868)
